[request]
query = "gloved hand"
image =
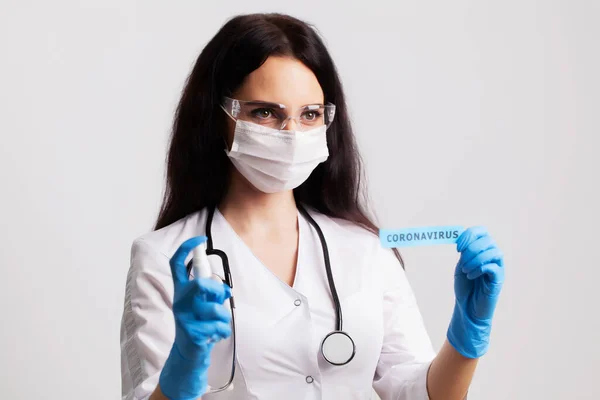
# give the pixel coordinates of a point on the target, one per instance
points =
(200, 319)
(478, 279)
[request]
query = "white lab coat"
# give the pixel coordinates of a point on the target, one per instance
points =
(279, 328)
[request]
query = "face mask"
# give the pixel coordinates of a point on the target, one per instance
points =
(275, 160)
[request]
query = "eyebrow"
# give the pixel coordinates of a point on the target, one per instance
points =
(277, 105)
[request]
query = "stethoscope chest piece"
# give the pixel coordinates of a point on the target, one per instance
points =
(338, 348)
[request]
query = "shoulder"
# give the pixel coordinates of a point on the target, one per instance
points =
(351, 235)
(166, 240)
(149, 270)
(359, 249)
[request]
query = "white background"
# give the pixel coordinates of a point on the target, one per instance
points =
(467, 112)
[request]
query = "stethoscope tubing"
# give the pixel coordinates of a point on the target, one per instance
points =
(227, 279)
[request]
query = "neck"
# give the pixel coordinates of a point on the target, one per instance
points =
(249, 210)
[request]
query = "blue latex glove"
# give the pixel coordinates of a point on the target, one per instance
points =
(199, 316)
(478, 280)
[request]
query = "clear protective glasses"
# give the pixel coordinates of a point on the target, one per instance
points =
(278, 116)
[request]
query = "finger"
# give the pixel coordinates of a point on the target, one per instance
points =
(208, 311)
(177, 262)
(492, 271)
(199, 291)
(212, 290)
(493, 255)
(202, 331)
(483, 243)
(469, 236)
(462, 286)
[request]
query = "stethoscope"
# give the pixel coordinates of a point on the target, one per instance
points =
(337, 347)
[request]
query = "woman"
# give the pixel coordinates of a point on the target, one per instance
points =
(262, 147)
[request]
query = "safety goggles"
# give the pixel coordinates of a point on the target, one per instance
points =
(278, 116)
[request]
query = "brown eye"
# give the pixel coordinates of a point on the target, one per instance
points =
(311, 116)
(262, 113)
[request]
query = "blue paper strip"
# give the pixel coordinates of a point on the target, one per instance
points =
(424, 236)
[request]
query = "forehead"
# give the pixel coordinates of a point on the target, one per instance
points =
(282, 80)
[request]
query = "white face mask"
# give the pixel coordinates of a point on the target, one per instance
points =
(276, 160)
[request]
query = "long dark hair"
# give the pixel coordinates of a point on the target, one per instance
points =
(197, 166)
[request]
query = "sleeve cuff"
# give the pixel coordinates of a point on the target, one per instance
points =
(404, 382)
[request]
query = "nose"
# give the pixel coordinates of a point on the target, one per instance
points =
(290, 124)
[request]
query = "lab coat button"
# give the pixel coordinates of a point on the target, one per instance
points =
(297, 302)
(309, 379)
